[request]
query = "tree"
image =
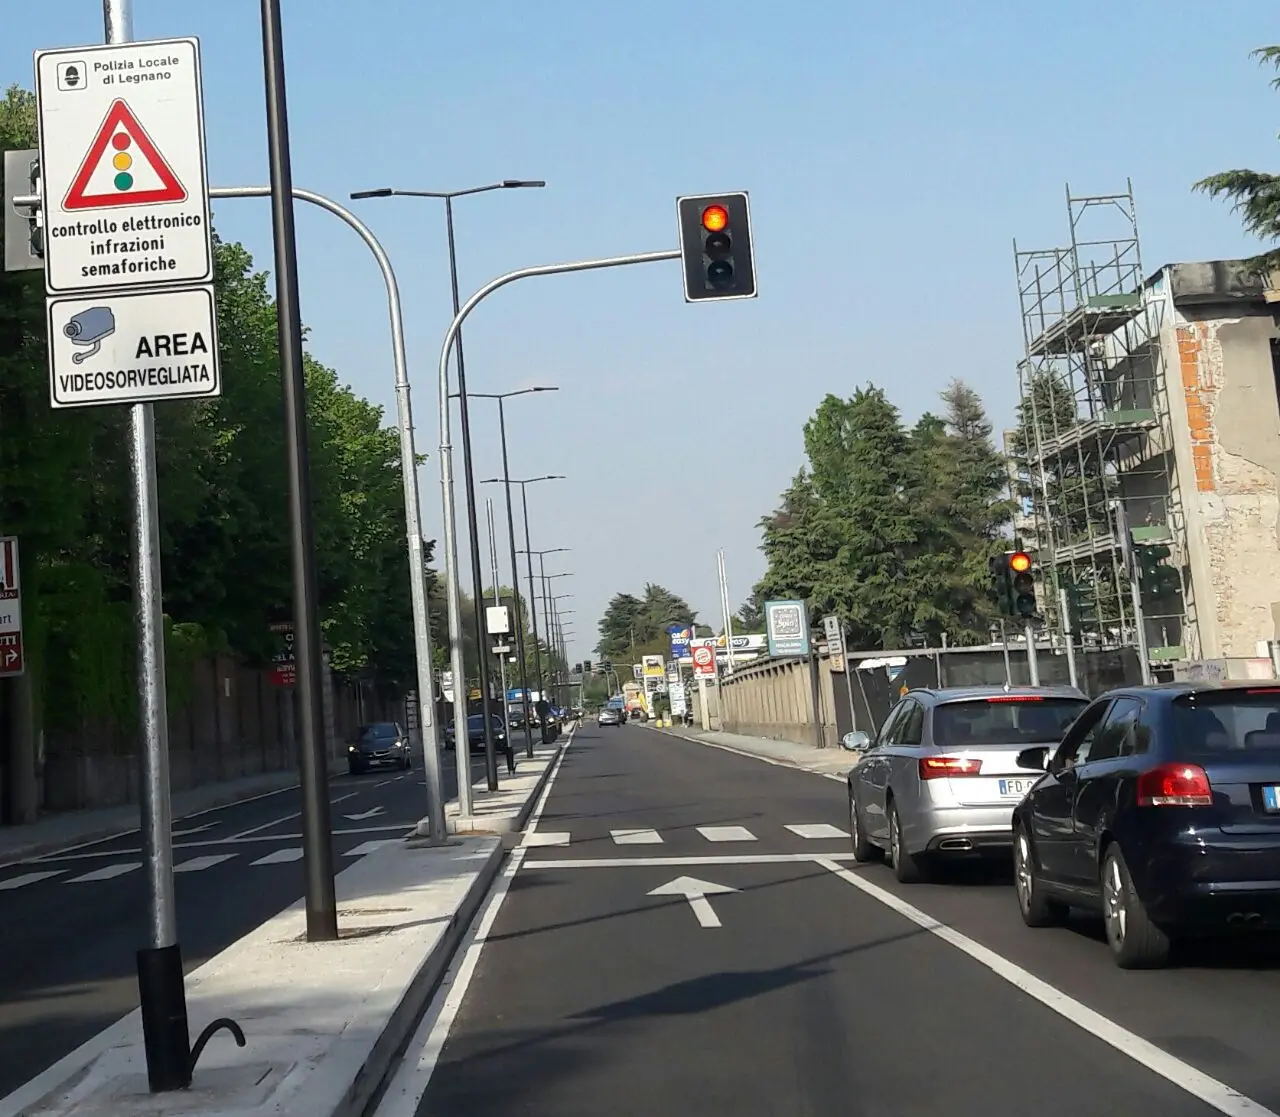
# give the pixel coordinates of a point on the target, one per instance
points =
(631, 623)
(750, 615)
(1255, 194)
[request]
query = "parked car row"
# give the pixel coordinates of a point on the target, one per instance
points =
(1156, 807)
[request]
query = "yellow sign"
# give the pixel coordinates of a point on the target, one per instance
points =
(654, 666)
(475, 694)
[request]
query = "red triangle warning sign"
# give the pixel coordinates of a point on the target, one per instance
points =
(123, 168)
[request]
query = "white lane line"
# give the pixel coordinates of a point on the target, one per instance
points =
(265, 826)
(547, 839)
(726, 833)
(767, 759)
(710, 859)
(817, 830)
(635, 837)
(25, 879)
(107, 872)
(369, 847)
(280, 857)
(404, 1094)
(1217, 1095)
(198, 864)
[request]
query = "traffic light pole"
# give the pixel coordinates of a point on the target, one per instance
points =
(1033, 663)
(453, 588)
(1068, 636)
(1135, 591)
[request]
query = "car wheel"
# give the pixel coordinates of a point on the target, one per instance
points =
(908, 868)
(1136, 942)
(863, 850)
(1038, 910)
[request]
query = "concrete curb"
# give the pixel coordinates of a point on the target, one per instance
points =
(17, 854)
(389, 1047)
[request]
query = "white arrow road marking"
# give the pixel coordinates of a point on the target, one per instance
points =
(371, 813)
(696, 892)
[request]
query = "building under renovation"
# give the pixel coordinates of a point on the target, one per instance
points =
(1149, 409)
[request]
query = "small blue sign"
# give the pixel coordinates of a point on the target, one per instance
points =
(787, 627)
(680, 636)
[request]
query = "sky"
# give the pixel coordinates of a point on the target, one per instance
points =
(892, 153)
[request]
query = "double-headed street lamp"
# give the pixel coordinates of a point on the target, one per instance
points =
(473, 525)
(506, 482)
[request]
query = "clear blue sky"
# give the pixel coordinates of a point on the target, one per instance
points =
(892, 152)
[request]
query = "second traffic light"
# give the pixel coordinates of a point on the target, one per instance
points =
(715, 247)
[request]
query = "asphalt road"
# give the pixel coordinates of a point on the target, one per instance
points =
(72, 921)
(818, 987)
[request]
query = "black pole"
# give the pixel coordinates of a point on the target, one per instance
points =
(321, 901)
(546, 616)
(473, 527)
(533, 588)
(515, 583)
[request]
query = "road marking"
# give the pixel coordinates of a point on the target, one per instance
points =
(696, 892)
(841, 778)
(195, 829)
(280, 857)
(404, 1093)
(1217, 1095)
(369, 847)
(548, 839)
(817, 830)
(198, 864)
(364, 816)
(635, 837)
(726, 833)
(265, 825)
(26, 878)
(710, 859)
(107, 872)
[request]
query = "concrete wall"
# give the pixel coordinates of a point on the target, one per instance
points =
(1222, 392)
(775, 700)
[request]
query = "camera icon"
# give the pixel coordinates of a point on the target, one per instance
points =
(89, 328)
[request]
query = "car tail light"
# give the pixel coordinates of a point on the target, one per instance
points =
(1175, 785)
(948, 767)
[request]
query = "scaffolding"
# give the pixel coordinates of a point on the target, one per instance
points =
(1094, 445)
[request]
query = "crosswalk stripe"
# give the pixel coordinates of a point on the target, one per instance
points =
(817, 830)
(635, 837)
(196, 864)
(25, 879)
(726, 833)
(107, 872)
(553, 839)
(280, 857)
(369, 847)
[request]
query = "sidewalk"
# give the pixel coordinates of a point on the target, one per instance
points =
(68, 828)
(831, 762)
(324, 1021)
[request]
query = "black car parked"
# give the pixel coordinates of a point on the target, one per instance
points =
(383, 744)
(1160, 808)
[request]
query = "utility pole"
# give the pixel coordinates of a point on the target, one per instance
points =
(1068, 635)
(1135, 590)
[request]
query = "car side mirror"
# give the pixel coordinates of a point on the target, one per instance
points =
(1034, 758)
(856, 741)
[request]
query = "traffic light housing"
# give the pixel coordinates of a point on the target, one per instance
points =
(1024, 584)
(1153, 576)
(715, 247)
(1001, 584)
(586, 666)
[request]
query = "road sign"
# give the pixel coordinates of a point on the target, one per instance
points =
(133, 347)
(704, 661)
(835, 634)
(497, 620)
(125, 193)
(653, 666)
(12, 660)
(284, 667)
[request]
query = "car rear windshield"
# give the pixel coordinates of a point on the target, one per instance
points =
(1004, 721)
(1213, 722)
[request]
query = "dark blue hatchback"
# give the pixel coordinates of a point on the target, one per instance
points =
(1160, 808)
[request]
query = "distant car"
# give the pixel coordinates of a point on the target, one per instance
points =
(1160, 809)
(381, 744)
(475, 734)
(942, 778)
(609, 716)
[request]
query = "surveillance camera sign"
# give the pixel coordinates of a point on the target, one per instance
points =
(137, 347)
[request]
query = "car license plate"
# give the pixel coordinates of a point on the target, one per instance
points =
(1016, 788)
(1271, 798)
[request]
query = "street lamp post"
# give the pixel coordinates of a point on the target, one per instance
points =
(506, 482)
(533, 589)
(473, 525)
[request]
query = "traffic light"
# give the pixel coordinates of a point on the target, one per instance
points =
(1153, 576)
(1001, 584)
(577, 668)
(1024, 584)
(1082, 600)
(586, 666)
(715, 247)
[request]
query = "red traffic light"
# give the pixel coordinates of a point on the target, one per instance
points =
(715, 218)
(1019, 562)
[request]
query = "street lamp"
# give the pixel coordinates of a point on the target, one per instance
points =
(533, 589)
(473, 525)
(505, 481)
